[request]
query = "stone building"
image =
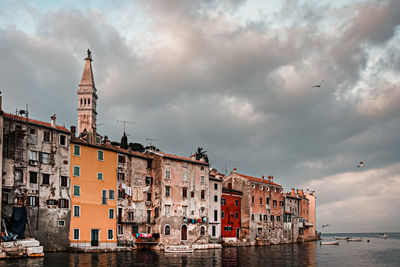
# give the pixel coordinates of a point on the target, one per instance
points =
(291, 217)
(214, 209)
(310, 224)
(36, 176)
(261, 209)
(181, 198)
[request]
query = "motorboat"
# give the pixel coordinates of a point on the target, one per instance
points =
(329, 243)
(341, 237)
(179, 249)
(355, 239)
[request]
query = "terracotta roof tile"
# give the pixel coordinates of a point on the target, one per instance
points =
(256, 179)
(23, 119)
(183, 158)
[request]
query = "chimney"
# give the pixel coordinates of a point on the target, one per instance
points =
(53, 120)
(73, 130)
(271, 178)
(262, 177)
(193, 156)
(301, 192)
(234, 168)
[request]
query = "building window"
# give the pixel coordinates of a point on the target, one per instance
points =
(64, 181)
(63, 140)
(265, 218)
(215, 186)
(63, 203)
(46, 136)
(100, 176)
(202, 179)
(149, 196)
(184, 192)
(267, 200)
(274, 203)
(261, 217)
(215, 198)
(45, 158)
(203, 194)
(167, 174)
(252, 200)
(33, 201)
(111, 194)
(278, 218)
(167, 210)
(252, 216)
(253, 186)
(33, 177)
(272, 218)
(104, 197)
(237, 203)
(184, 210)
(130, 215)
(61, 223)
(110, 234)
(111, 213)
(77, 150)
(261, 200)
(77, 171)
(120, 229)
(281, 204)
(202, 168)
(100, 155)
(184, 176)
(77, 211)
(121, 176)
(223, 201)
(121, 159)
(46, 178)
(222, 214)
(236, 215)
(52, 202)
(77, 190)
(215, 215)
(32, 155)
(213, 230)
(167, 230)
(167, 191)
(202, 230)
(76, 234)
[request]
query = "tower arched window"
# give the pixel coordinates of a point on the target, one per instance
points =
(88, 101)
(167, 230)
(81, 101)
(84, 101)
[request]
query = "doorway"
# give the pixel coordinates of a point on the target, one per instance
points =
(184, 232)
(94, 237)
(237, 233)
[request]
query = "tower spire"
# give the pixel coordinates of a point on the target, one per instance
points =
(87, 100)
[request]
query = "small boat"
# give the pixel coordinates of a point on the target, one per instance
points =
(329, 243)
(354, 239)
(178, 249)
(341, 237)
(384, 235)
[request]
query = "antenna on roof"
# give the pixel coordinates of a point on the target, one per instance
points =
(150, 140)
(125, 122)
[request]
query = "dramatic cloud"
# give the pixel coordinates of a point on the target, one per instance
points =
(234, 77)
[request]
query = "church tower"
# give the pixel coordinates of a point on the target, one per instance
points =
(87, 100)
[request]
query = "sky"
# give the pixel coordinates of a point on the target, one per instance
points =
(234, 77)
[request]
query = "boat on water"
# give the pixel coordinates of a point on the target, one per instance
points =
(354, 239)
(178, 249)
(384, 235)
(341, 237)
(329, 243)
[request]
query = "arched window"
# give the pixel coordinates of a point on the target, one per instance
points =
(84, 101)
(202, 230)
(81, 101)
(88, 101)
(167, 230)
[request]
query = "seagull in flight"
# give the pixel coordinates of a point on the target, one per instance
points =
(325, 225)
(317, 85)
(361, 164)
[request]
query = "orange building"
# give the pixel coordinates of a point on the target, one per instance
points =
(93, 195)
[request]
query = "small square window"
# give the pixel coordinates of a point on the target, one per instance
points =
(33, 201)
(64, 181)
(45, 158)
(100, 176)
(33, 177)
(167, 191)
(46, 136)
(121, 176)
(63, 140)
(46, 179)
(61, 223)
(121, 159)
(100, 155)
(111, 194)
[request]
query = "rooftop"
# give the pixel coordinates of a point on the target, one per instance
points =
(36, 122)
(256, 179)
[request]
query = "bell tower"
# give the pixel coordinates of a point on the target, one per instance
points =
(87, 99)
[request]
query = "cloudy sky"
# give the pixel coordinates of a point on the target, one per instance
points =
(235, 77)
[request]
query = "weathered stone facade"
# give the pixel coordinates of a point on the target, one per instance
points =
(182, 199)
(214, 209)
(36, 175)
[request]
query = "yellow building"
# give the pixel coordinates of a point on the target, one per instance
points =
(93, 195)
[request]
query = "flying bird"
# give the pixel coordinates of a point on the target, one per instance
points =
(325, 225)
(361, 164)
(318, 85)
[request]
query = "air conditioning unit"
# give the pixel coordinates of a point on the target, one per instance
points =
(33, 162)
(148, 203)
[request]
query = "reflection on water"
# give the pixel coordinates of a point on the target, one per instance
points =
(377, 252)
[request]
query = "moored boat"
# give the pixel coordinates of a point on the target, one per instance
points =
(178, 249)
(341, 237)
(354, 239)
(329, 243)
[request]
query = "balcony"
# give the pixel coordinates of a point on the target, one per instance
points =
(308, 224)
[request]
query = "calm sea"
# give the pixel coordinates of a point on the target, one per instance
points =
(376, 252)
